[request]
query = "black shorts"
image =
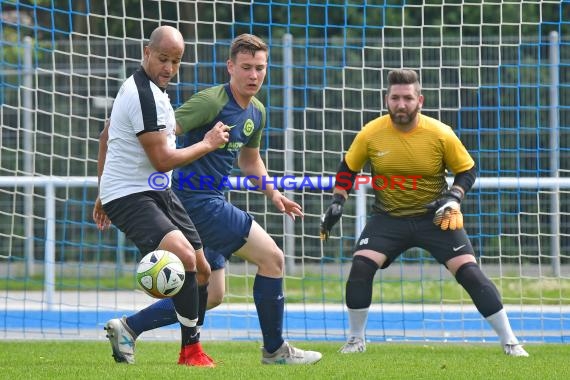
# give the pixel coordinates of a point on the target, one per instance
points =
(392, 235)
(147, 217)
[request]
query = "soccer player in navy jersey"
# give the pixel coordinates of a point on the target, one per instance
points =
(138, 141)
(224, 228)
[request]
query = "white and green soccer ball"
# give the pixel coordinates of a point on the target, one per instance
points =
(160, 274)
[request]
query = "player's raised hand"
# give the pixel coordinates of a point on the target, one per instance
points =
(447, 210)
(218, 136)
(100, 216)
(332, 215)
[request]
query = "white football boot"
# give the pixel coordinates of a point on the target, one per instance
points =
(122, 340)
(515, 350)
(353, 345)
(287, 354)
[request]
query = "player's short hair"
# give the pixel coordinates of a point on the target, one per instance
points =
(247, 43)
(404, 76)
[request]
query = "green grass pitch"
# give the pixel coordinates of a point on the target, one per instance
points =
(241, 360)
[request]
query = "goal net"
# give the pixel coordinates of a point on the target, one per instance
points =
(497, 72)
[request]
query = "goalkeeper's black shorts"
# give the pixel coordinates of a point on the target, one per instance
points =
(392, 235)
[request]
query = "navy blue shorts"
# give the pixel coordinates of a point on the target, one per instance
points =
(222, 226)
(392, 235)
(216, 260)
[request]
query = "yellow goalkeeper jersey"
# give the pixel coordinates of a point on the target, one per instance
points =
(408, 168)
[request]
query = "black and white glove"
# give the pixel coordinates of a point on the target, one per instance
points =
(332, 215)
(447, 211)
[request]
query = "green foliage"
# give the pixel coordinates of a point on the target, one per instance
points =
(241, 360)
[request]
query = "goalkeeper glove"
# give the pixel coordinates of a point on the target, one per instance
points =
(447, 210)
(332, 215)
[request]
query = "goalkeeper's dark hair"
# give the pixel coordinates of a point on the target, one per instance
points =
(404, 76)
(247, 43)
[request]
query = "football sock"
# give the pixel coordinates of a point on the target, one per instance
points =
(483, 292)
(270, 305)
(186, 305)
(160, 313)
(359, 293)
(357, 320)
(202, 303)
(500, 323)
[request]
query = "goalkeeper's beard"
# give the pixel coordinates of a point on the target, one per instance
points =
(403, 120)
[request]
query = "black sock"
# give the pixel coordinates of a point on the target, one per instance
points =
(186, 305)
(202, 303)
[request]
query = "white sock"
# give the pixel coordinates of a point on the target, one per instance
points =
(357, 320)
(500, 323)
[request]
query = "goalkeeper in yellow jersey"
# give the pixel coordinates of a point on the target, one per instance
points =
(409, 155)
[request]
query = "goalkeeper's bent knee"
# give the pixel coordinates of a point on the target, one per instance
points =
(483, 292)
(359, 284)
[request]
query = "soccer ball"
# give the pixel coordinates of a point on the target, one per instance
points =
(160, 274)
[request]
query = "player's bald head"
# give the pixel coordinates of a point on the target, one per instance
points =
(165, 36)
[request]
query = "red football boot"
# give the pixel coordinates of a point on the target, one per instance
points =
(193, 355)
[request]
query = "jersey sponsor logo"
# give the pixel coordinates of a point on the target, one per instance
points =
(233, 146)
(248, 127)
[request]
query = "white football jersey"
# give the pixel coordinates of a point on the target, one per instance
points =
(140, 107)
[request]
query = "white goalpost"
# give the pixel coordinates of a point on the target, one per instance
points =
(491, 70)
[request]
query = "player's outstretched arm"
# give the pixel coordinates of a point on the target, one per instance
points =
(164, 159)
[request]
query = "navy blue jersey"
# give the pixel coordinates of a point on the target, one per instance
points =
(196, 117)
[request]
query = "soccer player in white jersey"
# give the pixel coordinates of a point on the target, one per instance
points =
(137, 152)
